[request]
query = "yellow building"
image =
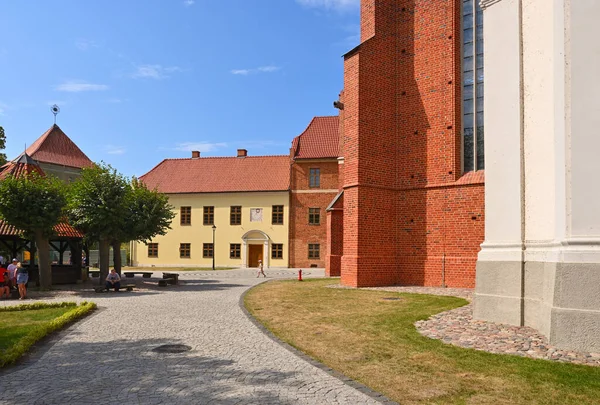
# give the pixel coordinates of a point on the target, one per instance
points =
(241, 204)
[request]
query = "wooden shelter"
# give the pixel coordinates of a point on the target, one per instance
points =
(67, 241)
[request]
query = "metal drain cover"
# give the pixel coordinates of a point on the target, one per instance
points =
(172, 349)
(391, 298)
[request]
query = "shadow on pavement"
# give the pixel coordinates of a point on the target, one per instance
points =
(130, 371)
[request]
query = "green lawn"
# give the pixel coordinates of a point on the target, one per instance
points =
(375, 342)
(23, 325)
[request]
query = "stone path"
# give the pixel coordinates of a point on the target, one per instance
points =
(457, 327)
(108, 357)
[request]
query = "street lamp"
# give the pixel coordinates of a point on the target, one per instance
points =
(214, 228)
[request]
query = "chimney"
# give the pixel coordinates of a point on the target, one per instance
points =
(195, 154)
(242, 153)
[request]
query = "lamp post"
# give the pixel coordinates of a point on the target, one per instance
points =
(214, 228)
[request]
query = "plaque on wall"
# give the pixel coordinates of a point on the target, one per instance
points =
(256, 214)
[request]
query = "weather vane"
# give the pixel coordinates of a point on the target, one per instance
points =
(55, 110)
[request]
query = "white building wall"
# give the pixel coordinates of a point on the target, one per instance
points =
(555, 285)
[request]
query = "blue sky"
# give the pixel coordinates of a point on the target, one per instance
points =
(140, 81)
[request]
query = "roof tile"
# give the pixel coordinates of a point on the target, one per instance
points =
(319, 140)
(54, 146)
(220, 174)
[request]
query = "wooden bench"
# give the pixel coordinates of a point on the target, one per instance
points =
(172, 278)
(94, 273)
(145, 274)
(125, 287)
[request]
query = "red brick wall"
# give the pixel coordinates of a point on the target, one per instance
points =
(301, 233)
(406, 219)
(335, 239)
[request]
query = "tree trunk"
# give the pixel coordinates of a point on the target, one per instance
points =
(44, 266)
(103, 253)
(117, 256)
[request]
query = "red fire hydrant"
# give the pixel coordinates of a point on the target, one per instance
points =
(300, 275)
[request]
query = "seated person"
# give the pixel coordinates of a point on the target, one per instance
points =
(113, 280)
(4, 283)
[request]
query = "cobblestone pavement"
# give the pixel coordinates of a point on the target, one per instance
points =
(457, 327)
(108, 357)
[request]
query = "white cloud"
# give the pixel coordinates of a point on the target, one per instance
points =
(85, 44)
(156, 72)
(114, 150)
(115, 100)
(199, 146)
(261, 69)
(188, 3)
(330, 4)
(3, 108)
(76, 86)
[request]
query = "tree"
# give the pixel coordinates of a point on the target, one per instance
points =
(148, 214)
(96, 206)
(34, 204)
(109, 208)
(2, 146)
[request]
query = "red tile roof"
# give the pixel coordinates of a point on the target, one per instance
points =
(63, 230)
(319, 140)
(220, 174)
(54, 146)
(24, 164)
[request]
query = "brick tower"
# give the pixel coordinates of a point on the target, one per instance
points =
(411, 213)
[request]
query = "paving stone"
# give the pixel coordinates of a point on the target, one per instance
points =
(108, 357)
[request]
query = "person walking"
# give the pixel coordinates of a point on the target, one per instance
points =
(4, 289)
(260, 269)
(22, 279)
(12, 274)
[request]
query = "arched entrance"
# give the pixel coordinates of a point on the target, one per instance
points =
(255, 246)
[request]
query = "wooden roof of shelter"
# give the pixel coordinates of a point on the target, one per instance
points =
(55, 147)
(22, 166)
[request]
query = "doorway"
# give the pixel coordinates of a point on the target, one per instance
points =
(255, 253)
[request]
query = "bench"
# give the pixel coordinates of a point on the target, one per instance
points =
(94, 273)
(163, 283)
(126, 287)
(172, 278)
(145, 274)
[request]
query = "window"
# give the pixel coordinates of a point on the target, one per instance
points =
(209, 215)
(185, 250)
(234, 251)
(472, 91)
(207, 250)
(277, 251)
(314, 178)
(314, 251)
(314, 216)
(277, 215)
(235, 215)
(185, 215)
(152, 249)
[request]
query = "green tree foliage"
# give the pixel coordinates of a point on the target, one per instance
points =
(148, 214)
(35, 204)
(109, 208)
(96, 207)
(2, 146)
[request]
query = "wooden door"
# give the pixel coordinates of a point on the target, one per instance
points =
(255, 253)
